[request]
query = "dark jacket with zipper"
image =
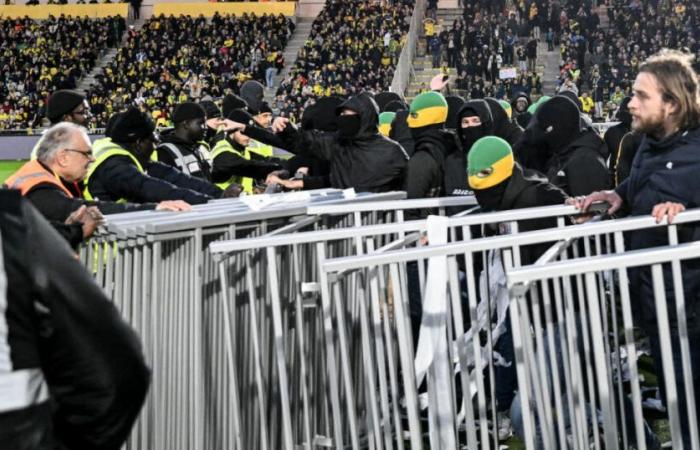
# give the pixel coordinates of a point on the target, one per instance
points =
(662, 171)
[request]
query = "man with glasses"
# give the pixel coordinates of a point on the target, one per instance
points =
(64, 156)
(66, 105)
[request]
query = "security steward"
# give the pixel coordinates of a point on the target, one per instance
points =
(184, 147)
(125, 172)
(232, 158)
(63, 158)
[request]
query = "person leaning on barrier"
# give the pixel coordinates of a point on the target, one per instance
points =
(183, 147)
(663, 181)
(123, 170)
(49, 182)
(72, 372)
(232, 161)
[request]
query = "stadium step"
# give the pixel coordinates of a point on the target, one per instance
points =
(89, 79)
(548, 67)
(291, 51)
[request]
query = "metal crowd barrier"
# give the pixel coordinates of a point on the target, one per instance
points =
(157, 268)
(572, 361)
(379, 283)
(285, 352)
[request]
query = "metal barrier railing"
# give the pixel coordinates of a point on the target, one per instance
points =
(157, 268)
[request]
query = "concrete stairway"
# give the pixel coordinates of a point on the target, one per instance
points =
(423, 70)
(548, 68)
(106, 59)
(297, 41)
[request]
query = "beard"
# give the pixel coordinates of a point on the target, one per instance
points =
(652, 126)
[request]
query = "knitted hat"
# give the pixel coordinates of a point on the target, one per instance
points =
(240, 115)
(394, 106)
(110, 123)
(506, 106)
(62, 102)
(132, 126)
(490, 162)
(428, 108)
(210, 109)
(188, 111)
(253, 92)
(265, 108)
(385, 120)
(384, 98)
(232, 102)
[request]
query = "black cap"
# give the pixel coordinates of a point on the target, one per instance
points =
(232, 102)
(241, 116)
(210, 109)
(188, 111)
(110, 123)
(132, 126)
(265, 108)
(62, 102)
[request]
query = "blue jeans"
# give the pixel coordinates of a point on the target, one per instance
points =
(270, 74)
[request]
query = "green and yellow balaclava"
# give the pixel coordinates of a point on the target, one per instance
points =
(385, 120)
(428, 108)
(506, 106)
(490, 162)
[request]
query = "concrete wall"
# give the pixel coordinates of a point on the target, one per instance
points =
(19, 147)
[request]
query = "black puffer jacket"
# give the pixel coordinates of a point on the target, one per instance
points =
(367, 162)
(61, 325)
(579, 168)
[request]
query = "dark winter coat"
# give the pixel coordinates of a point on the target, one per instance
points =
(579, 168)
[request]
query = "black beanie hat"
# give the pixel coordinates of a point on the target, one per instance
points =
(110, 123)
(61, 103)
(384, 98)
(241, 116)
(574, 98)
(132, 126)
(253, 92)
(395, 105)
(559, 119)
(265, 108)
(454, 104)
(188, 111)
(322, 117)
(210, 109)
(232, 102)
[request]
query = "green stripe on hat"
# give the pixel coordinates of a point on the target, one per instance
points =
(428, 108)
(490, 162)
(386, 118)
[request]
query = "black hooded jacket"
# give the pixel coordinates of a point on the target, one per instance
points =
(367, 162)
(502, 126)
(425, 173)
(61, 325)
(579, 168)
(401, 132)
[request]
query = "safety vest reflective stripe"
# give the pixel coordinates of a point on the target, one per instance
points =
(31, 175)
(103, 149)
(223, 146)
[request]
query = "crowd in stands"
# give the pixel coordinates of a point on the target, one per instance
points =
(175, 59)
(37, 58)
(601, 63)
(353, 46)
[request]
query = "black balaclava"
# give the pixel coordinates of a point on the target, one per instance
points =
(555, 124)
(349, 125)
(490, 199)
(468, 136)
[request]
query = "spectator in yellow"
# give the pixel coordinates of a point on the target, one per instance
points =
(587, 103)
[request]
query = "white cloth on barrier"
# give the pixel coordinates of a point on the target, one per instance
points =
(432, 353)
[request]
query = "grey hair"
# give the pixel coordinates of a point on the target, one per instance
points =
(56, 138)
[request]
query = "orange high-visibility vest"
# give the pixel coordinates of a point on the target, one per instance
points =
(31, 175)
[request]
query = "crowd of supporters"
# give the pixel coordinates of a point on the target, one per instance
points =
(353, 46)
(175, 59)
(39, 57)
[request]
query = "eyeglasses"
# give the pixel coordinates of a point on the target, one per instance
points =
(87, 154)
